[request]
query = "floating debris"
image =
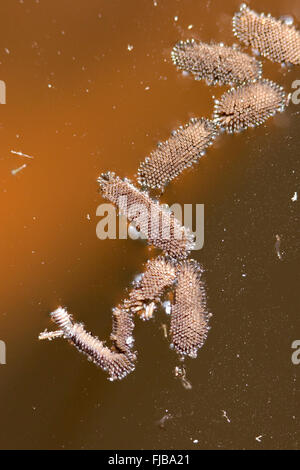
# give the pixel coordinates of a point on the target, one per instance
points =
(166, 417)
(118, 365)
(17, 170)
(165, 330)
(21, 154)
(217, 64)
(180, 372)
(295, 197)
(272, 38)
(186, 145)
(158, 224)
(249, 105)
(189, 317)
(277, 247)
(225, 415)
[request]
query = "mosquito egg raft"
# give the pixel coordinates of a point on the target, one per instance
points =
(189, 318)
(184, 148)
(159, 225)
(249, 105)
(159, 274)
(278, 40)
(215, 63)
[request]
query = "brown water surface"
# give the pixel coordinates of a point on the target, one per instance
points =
(80, 102)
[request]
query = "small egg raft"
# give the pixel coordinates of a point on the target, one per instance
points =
(249, 105)
(185, 147)
(155, 222)
(117, 364)
(159, 274)
(216, 63)
(189, 317)
(272, 38)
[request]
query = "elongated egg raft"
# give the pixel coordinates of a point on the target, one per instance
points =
(189, 317)
(157, 223)
(186, 145)
(249, 105)
(217, 64)
(272, 38)
(117, 363)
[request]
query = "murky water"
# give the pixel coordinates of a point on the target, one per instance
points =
(80, 101)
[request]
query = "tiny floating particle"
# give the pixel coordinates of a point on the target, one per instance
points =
(186, 145)
(249, 105)
(272, 38)
(189, 317)
(117, 364)
(158, 224)
(216, 63)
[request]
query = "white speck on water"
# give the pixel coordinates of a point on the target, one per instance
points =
(190, 26)
(175, 18)
(14, 172)
(259, 438)
(295, 197)
(195, 441)
(49, 85)
(130, 47)
(7, 50)
(88, 216)
(147, 88)
(155, 3)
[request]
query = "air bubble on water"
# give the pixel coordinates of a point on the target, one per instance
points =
(129, 341)
(287, 19)
(167, 307)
